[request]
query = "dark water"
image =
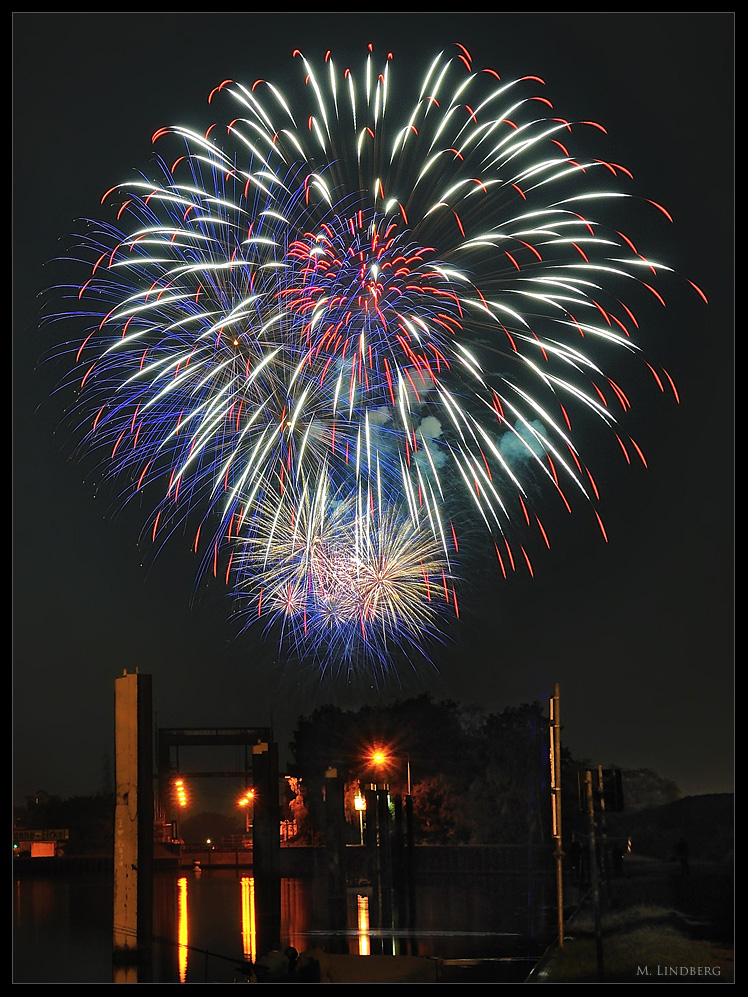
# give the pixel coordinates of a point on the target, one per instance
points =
(206, 925)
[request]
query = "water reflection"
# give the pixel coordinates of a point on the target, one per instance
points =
(186, 896)
(183, 931)
(249, 923)
(362, 910)
(464, 916)
(208, 926)
(294, 912)
(300, 926)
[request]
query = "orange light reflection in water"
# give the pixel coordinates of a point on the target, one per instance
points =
(364, 944)
(182, 928)
(249, 924)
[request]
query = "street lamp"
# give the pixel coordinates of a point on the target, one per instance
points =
(381, 758)
(360, 805)
(246, 802)
(180, 798)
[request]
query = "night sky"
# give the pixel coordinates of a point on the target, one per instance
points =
(638, 631)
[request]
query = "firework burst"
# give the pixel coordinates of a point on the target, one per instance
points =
(321, 331)
(343, 582)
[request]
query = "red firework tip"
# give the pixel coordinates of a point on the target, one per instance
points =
(638, 449)
(528, 562)
(500, 560)
(699, 291)
(623, 447)
(564, 122)
(672, 385)
(581, 253)
(545, 535)
(80, 350)
(142, 475)
(623, 169)
(629, 243)
(656, 376)
(660, 208)
(217, 89)
(608, 166)
(592, 482)
(656, 293)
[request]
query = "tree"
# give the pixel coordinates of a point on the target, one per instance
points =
(481, 779)
(508, 802)
(436, 808)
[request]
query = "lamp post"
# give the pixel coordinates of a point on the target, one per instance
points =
(381, 757)
(402, 853)
(180, 794)
(360, 805)
(246, 802)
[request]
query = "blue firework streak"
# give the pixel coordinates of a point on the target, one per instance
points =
(311, 330)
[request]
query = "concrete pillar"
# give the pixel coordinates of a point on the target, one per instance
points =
(133, 818)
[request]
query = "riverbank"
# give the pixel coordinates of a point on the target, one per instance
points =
(657, 924)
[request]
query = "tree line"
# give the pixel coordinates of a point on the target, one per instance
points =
(474, 778)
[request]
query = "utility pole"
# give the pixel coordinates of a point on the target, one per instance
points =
(555, 736)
